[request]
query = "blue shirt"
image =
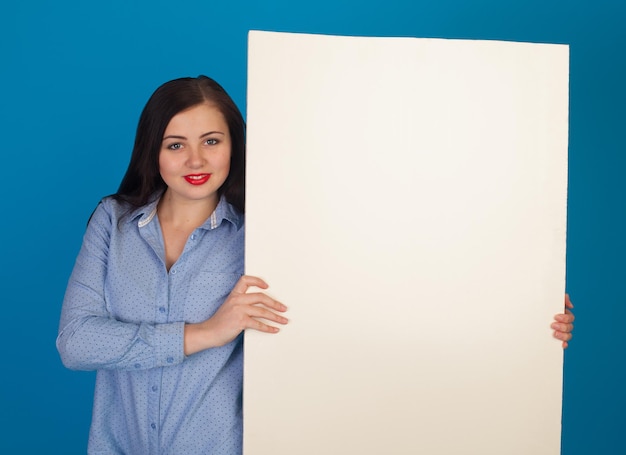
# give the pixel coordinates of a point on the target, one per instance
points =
(124, 315)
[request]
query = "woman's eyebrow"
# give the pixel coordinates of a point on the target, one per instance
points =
(211, 132)
(208, 133)
(172, 136)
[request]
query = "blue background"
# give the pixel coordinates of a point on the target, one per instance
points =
(74, 77)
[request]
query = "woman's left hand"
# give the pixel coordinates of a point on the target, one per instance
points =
(564, 323)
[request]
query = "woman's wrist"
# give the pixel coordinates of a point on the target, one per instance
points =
(196, 338)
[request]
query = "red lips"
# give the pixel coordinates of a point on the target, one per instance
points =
(197, 179)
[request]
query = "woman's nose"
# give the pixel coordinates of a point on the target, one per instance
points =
(195, 158)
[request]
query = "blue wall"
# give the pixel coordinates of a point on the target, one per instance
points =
(75, 75)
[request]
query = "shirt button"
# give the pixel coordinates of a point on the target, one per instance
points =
(170, 359)
(154, 388)
(138, 365)
(193, 236)
(153, 426)
(174, 272)
(162, 309)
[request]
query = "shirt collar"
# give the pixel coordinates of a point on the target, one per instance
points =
(224, 211)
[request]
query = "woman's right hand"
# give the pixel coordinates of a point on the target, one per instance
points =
(241, 310)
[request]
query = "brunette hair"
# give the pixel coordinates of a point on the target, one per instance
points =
(142, 180)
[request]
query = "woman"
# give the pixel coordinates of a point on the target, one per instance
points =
(157, 301)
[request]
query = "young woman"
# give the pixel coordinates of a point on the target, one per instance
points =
(157, 300)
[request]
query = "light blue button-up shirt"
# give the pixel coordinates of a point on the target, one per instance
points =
(124, 315)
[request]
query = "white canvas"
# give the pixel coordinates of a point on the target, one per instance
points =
(406, 199)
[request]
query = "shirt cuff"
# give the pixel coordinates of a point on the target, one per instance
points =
(169, 342)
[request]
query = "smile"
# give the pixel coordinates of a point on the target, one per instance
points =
(197, 179)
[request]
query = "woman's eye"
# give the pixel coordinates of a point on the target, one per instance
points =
(176, 146)
(211, 141)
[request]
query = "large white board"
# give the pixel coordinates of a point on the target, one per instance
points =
(406, 198)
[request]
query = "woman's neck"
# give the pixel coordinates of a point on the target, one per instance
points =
(184, 213)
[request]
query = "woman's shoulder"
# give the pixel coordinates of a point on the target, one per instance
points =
(113, 205)
(226, 210)
(115, 210)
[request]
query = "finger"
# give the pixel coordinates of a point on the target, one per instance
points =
(259, 298)
(562, 336)
(263, 313)
(246, 281)
(562, 327)
(565, 345)
(262, 327)
(568, 302)
(567, 318)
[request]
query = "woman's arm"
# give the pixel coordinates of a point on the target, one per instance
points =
(89, 336)
(240, 311)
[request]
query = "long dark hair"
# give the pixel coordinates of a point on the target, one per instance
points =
(142, 180)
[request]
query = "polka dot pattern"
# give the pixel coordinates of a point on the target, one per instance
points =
(124, 315)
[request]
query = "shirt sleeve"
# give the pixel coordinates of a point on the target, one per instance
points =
(89, 337)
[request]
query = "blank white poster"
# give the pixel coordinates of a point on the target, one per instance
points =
(406, 199)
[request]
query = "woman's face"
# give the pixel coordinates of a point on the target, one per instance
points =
(194, 159)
